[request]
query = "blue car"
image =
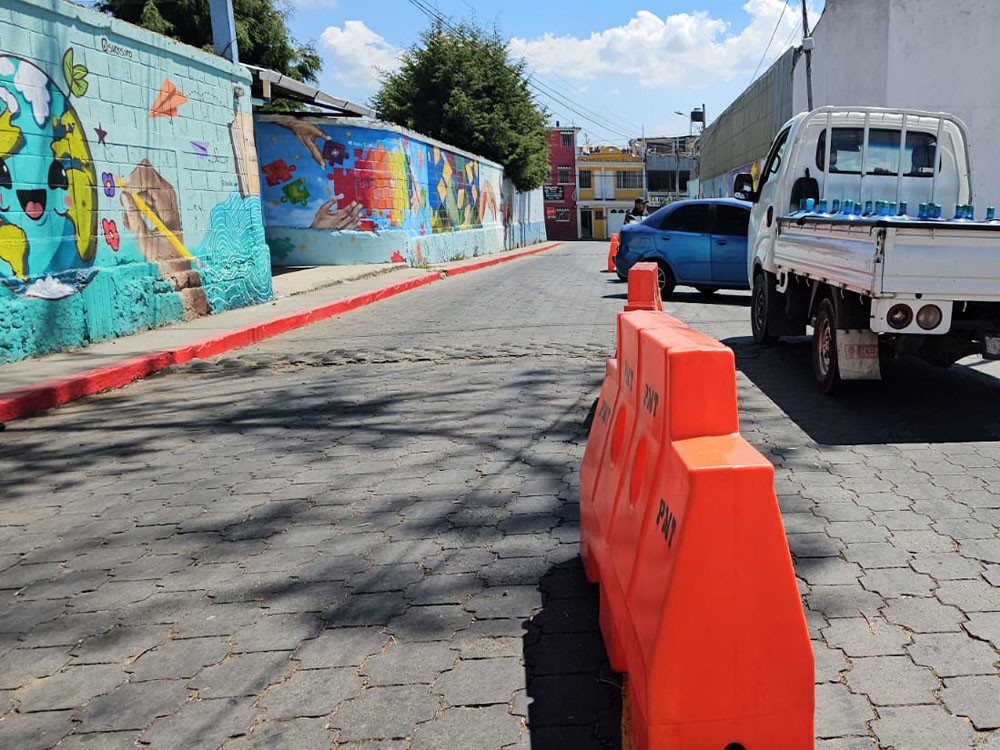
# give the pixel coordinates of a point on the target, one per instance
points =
(700, 243)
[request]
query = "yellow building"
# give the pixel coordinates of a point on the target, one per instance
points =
(610, 180)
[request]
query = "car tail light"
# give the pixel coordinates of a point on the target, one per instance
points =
(929, 316)
(900, 316)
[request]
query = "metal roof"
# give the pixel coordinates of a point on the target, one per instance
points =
(270, 84)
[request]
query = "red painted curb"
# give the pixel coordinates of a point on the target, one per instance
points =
(21, 403)
(495, 261)
(52, 393)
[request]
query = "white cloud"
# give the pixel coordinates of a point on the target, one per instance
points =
(686, 49)
(354, 52)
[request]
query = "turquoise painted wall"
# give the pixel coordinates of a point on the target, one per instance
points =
(342, 191)
(129, 187)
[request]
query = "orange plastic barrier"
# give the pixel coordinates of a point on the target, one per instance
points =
(688, 386)
(699, 602)
(644, 287)
(611, 433)
(612, 252)
(724, 658)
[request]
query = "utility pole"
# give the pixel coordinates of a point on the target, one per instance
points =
(224, 29)
(807, 45)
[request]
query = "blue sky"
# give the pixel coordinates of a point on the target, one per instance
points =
(615, 69)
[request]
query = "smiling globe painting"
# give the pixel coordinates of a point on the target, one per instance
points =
(48, 187)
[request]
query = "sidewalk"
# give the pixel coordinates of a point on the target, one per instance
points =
(301, 296)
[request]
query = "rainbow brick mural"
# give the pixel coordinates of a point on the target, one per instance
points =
(341, 191)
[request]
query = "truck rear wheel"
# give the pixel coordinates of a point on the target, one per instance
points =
(825, 363)
(761, 303)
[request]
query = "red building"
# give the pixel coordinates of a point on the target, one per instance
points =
(560, 192)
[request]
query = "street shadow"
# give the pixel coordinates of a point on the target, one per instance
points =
(720, 298)
(575, 697)
(914, 402)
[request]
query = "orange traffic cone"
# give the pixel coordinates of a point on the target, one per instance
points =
(612, 252)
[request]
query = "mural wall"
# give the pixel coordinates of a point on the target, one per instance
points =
(129, 190)
(345, 191)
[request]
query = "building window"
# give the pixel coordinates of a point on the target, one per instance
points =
(565, 175)
(567, 140)
(585, 179)
(631, 180)
(562, 214)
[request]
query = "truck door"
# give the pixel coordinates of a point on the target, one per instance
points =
(768, 206)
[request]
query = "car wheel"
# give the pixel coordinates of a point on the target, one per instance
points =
(825, 364)
(621, 276)
(706, 290)
(666, 278)
(760, 307)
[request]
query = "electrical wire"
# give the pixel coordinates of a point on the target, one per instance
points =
(776, 27)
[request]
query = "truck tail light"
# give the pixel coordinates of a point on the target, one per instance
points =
(929, 316)
(901, 315)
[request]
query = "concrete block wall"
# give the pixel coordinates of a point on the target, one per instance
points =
(129, 190)
(341, 191)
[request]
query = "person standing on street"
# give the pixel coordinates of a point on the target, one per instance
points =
(637, 212)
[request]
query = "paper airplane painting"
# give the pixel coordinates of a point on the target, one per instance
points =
(168, 101)
(201, 148)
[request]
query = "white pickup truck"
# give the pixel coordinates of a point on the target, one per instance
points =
(863, 227)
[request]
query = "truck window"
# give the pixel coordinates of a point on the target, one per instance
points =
(773, 158)
(846, 145)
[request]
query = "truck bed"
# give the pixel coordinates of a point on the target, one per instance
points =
(958, 260)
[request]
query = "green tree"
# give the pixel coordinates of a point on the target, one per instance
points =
(262, 38)
(458, 84)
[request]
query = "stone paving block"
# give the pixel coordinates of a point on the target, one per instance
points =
(984, 550)
(385, 713)
(63, 585)
(922, 728)
(572, 700)
(213, 619)
(302, 597)
(202, 723)
(924, 615)
(892, 583)
(311, 693)
(178, 659)
(985, 625)
(444, 589)
(515, 571)
(953, 654)
(485, 726)
(20, 665)
(970, 596)
(847, 743)
(409, 551)
(98, 741)
(120, 644)
(307, 734)
(34, 731)
(331, 568)
(978, 698)
(276, 633)
(902, 520)
(814, 545)
(944, 566)
(565, 653)
(505, 601)
(242, 674)
(114, 595)
(403, 663)
(853, 532)
(892, 680)
(839, 712)
(480, 682)
(965, 528)
(876, 555)
(459, 561)
(830, 662)
(433, 622)
(201, 577)
(24, 617)
(341, 647)
(132, 706)
(69, 688)
(922, 541)
(804, 523)
(359, 610)
(380, 578)
(866, 636)
(827, 571)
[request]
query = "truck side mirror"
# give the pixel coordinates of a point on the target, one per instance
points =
(743, 187)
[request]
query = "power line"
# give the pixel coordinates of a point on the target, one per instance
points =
(776, 27)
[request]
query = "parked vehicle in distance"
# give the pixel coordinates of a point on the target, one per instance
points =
(852, 232)
(700, 243)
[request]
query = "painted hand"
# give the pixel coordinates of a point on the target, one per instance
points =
(328, 217)
(307, 133)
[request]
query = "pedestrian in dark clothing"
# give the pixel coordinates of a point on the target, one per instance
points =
(637, 212)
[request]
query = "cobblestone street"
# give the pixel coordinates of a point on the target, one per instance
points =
(364, 534)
